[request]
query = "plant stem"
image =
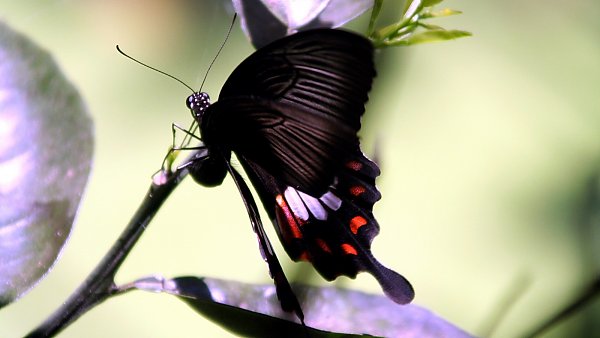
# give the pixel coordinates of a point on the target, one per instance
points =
(585, 298)
(99, 285)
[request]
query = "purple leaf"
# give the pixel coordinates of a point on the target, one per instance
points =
(264, 21)
(45, 157)
(250, 310)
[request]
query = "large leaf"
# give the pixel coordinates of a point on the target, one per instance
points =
(268, 20)
(45, 156)
(253, 310)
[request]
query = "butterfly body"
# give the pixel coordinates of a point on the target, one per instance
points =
(290, 112)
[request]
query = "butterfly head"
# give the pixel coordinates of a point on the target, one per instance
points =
(198, 103)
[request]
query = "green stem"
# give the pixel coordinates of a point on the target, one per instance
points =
(585, 298)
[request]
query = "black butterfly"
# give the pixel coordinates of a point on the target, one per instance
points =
(290, 112)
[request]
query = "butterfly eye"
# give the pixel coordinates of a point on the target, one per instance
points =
(190, 102)
(198, 102)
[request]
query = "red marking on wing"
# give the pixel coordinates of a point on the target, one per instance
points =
(304, 257)
(349, 249)
(356, 222)
(289, 216)
(354, 165)
(357, 190)
(323, 245)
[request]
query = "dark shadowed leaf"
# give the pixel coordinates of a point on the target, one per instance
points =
(253, 310)
(264, 21)
(45, 156)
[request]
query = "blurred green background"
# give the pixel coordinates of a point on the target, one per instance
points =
(488, 147)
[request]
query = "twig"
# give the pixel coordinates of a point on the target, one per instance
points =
(99, 285)
(581, 301)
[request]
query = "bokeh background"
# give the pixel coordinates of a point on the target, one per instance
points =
(489, 148)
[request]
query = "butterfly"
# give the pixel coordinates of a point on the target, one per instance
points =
(291, 112)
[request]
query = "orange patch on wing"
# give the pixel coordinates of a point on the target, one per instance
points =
(357, 190)
(323, 245)
(349, 249)
(289, 217)
(354, 165)
(304, 257)
(356, 222)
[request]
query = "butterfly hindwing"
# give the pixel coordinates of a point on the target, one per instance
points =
(333, 231)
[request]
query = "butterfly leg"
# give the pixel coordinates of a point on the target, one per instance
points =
(190, 133)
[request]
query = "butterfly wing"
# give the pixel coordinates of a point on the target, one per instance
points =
(333, 231)
(291, 112)
(294, 107)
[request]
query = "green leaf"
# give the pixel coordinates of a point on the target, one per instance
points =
(254, 311)
(439, 14)
(430, 36)
(431, 3)
(45, 159)
(374, 15)
(411, 8)
(409, 30)
(430, 27)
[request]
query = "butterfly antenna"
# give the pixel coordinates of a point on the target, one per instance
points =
(154, 69)
(219, 51)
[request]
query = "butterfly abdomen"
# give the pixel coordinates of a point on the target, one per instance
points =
(210, 171)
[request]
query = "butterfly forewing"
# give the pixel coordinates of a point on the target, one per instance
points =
(300, 99)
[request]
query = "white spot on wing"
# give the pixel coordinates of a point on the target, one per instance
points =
(331, 200)
(295, 203)
(315, 207)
